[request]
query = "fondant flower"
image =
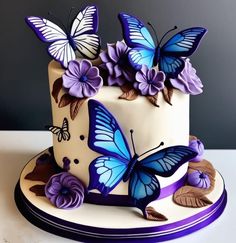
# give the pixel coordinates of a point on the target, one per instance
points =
(149, 81)
(197, 146)
(199, 179)
(115, 60)
(188, 81)
(65, 191)
(82, 79)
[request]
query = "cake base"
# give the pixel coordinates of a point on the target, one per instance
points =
(97, 223)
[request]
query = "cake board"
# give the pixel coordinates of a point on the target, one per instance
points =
(98, 223)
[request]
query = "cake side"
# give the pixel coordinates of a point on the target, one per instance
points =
(151, 125)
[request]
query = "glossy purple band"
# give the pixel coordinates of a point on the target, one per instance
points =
(124, 200)
(142, 234)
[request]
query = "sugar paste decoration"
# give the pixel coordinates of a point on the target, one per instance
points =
(200, 179)
(65, 191)
(80, 81)
(66, 43)
(66, 164)
(117, 163)
(62, 133)
(169, 56)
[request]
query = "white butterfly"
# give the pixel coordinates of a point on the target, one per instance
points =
(81, 38)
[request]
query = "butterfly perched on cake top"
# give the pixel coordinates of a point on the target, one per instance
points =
(64, 44)
(117, 163)
(168, 57)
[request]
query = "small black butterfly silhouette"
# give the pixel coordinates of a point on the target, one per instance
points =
(61, 132)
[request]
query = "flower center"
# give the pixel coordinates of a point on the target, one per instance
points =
(202, 176)
(64, 191)
(149, 81)
(83, 78)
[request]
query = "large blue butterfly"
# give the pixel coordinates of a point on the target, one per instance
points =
(106, 137)
(64, 45)
(168, 57)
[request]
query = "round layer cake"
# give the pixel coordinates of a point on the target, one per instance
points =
(151, 125)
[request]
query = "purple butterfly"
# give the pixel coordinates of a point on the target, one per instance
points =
(81, 38)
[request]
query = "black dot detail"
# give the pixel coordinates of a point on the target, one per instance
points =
(76, 161)
(82, 137)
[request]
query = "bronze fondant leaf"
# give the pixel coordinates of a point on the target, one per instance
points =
(74, 107)
(153, 99)
(132, 94)
(189, 196)
(126, 87)
(57, 86)
(152, 214)
(38, 190)
(65, 100)
(167, 94)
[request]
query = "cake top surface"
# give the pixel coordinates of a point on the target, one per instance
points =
(141, 62)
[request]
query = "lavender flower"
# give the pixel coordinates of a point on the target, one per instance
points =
(149, 81)
(115, 60)
(65, 191)
(199, 179)
(187, 81)
(197, 146)
(82, 79)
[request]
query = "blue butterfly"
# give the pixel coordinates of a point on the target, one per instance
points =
(168, 57)
(106, 137)
(82, 37)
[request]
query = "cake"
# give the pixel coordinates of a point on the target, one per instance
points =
(121, 143)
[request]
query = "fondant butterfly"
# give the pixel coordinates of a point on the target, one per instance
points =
(61, 132)
(64, 45)
(168, 57)
(116, 163)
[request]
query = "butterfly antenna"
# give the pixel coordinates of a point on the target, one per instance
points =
(68, 21)
(132, 140)
(154, 31)
(58, 20)
(150, 150)
(175, 27)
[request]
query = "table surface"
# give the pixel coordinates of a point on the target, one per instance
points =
(18, 147)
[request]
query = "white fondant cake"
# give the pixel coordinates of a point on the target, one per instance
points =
(151, 125)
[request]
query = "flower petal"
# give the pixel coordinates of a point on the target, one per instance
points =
(112, 53)
(113, 80)
(121, 48)
(117, 71)
(74, 68)
(96, 82)
(76, 90)
(104, 56)
(85, 65)
(140, 77)
(92, 72)
(110, 67)
(88, 90)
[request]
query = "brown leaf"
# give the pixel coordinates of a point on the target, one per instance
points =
(192, 137)
(167, 94)
(189, 196)
(132, 94)
(74, 107)
(126, 87)
(153, 99)
(38, 190)
(65, 100)
(207, 168)
(57, 86)
(152, 214)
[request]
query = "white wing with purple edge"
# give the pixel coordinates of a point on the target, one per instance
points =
(83, 30)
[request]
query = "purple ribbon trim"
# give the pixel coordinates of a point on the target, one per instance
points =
(94, 234)
(125, 200)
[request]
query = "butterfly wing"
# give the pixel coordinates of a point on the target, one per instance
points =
(184, 43)
(57, 131)
(166, 161)
(65, 130)
(143, 188)
(83, 30)
(105, 173)
(140, 56)
(137, 37)
(62, 52)
(46, 30)
(171, 65)
(105, 135)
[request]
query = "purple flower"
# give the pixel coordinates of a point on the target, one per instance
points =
(149, 81)
(188, 81)
(199, 179)
(115, 60)
(197, 146)
(82, 79)
(65, 191)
